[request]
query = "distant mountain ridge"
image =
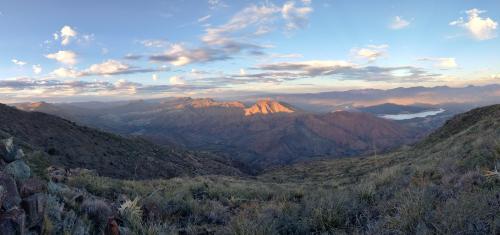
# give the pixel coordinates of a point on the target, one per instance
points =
(330, 100)
(266, 133)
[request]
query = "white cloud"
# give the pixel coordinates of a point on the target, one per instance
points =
(37, 69)
(212, 4)
(442, 63)
(55, 36)
(66, 34)
(66, 73)
(158, 43)
(243, 72)
(399, 23)
(108, 67)
(478, 27)
(155, 77)
(371, 52)
(177, 80)
(18, 62)
(65, 57)
(204, 18)
(296, 17)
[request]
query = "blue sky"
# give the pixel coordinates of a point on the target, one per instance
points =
(93, 50)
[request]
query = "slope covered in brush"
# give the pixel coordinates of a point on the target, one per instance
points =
(71, 145)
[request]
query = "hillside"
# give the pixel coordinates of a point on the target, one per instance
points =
(445, 184)
(70, 145)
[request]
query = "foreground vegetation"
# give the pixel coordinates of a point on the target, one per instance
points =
(448, 184)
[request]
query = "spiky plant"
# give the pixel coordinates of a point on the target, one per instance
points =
(130, 211)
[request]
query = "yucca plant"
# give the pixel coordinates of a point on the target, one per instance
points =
(131, 213)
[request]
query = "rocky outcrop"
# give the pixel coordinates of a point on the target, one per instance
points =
(268, 107)
(22, 198)
(19, 170)
(12, 222)
(11, 198)
(9, 152)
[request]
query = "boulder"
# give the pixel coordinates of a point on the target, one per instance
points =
(18, 169)
(12, 222)
(3, 191)
(11, 198)
(34, 207)
(9, 152)
(31, 186)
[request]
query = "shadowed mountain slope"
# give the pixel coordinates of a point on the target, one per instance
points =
(71, 145)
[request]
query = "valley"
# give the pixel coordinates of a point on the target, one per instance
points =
(450, 176)
(267, 133)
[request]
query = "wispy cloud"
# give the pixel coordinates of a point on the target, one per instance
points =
(26, 88)
(204, 18)
(106, 68)
(238, 35)
(371, 52)
(296, 17)
(442, 63)
(399, 23)
(344, 70)
(158, 43)
(18, 62)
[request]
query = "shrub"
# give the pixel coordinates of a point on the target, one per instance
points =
(98, 211)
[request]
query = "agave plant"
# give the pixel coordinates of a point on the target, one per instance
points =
(130, 211)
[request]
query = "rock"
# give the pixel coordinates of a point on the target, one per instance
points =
(34, 206)
(12, 222)
(11, 196)
(3, 191)
(19, 154)
(9, 151)
(57, 174)
(18, 169)
(112, 227)
(31, 186)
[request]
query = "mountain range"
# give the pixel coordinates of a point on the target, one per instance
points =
(266, 133)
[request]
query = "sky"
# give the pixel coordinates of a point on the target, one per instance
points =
(59, 50)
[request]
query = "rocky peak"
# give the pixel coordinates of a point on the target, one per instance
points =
(35, 106)
(268, 107)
